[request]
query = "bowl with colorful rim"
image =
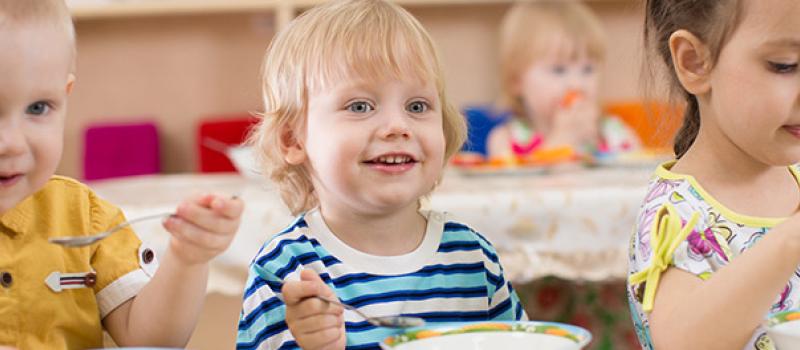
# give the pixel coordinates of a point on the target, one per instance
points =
(784, 329)
(491, 335)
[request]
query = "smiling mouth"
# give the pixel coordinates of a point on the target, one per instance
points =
(8, 179)
(793, 129)
(391, 160)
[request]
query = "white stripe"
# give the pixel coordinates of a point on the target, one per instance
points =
(120, 291)
(419, 306)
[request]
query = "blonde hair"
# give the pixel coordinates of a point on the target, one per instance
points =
(336, 41)
(49, 11)
(530, 30)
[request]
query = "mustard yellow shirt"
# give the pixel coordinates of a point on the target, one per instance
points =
(54, 297)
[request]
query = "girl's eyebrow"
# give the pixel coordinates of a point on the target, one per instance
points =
(783, 42)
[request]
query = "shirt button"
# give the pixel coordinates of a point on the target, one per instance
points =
(148, 256)
(90, 279)
(6, 279)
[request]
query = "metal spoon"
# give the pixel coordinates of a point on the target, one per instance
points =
(383, 321)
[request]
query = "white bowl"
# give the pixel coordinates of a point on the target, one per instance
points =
(245, 162)
(784, 329)
(492, 336)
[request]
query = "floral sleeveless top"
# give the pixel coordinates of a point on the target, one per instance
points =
(681, 225)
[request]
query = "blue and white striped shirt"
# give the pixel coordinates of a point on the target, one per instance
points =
(454, 275)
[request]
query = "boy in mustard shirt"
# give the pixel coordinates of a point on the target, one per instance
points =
(54, 297)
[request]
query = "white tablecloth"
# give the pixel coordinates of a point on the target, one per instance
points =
(573, 224)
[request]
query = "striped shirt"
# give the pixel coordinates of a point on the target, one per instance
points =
(454, 275)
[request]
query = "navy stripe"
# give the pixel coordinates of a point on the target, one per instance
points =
(289, 345)
(265, 306)
(298, 223)
(404, 295)
(500, 308)
(452, 316)
(262, 336)
(459, 246)
(451, 226)
(278, 250)
(427, 271)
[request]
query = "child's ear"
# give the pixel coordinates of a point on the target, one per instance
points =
(293, 151)
(692, 61)
(70, 83)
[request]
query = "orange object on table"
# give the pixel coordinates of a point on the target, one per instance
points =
(554, 155)
(570, 98)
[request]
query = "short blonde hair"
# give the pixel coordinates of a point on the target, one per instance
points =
(532, 29)
(336, 41)
(50, 11)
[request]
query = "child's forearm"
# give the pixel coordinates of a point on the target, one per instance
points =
(724, 311)
(165, 311)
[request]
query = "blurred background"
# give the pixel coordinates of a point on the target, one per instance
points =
(165, 87)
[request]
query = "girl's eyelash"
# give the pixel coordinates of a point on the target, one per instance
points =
(423, 102)
(783, 67)
(349, 106)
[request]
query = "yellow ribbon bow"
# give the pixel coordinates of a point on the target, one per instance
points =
(665, 236)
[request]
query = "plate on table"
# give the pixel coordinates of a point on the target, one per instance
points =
(784, 329)
(639, 159)
(491, 336)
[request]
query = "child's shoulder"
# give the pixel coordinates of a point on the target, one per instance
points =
(292, 240)
(64, 191)
(457, 235)
(678, 191)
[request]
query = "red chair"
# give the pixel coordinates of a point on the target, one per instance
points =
(120, 149)
(214, 135)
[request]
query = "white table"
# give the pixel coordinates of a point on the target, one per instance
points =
(573, 224)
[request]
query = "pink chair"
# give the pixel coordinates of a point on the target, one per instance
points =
(124, 149)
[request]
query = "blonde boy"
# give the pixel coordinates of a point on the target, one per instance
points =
(357, 129)
(54, 297)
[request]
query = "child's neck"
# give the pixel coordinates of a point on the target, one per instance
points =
(739, 181)
(384, 234)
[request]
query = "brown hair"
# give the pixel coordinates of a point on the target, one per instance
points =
(532, 29)
(333, 42)
(712, 21)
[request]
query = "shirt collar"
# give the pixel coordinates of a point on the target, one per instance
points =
(18, 220)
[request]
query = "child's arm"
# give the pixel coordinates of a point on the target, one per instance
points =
(724, 311)
(314, 323)
(166, 310)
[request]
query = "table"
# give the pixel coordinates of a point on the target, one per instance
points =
(573, 225)
(566, 232)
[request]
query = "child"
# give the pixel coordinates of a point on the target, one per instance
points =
(550, 55)
(719, 227)
(55, 297)
(357, 129)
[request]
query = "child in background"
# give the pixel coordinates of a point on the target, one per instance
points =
(357, 129)
(56, 297)
(551, 53)
(717, 245)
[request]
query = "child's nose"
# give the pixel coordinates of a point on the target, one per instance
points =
(12, 139)
(395, 125)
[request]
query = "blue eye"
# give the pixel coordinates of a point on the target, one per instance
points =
(38, 108)
(559, 70)
(417, 107)
(360, 107)
(783, 68)
(588, 69)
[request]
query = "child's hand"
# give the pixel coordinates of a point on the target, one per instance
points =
(314, 323)
(576, 124)
(203, 227)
